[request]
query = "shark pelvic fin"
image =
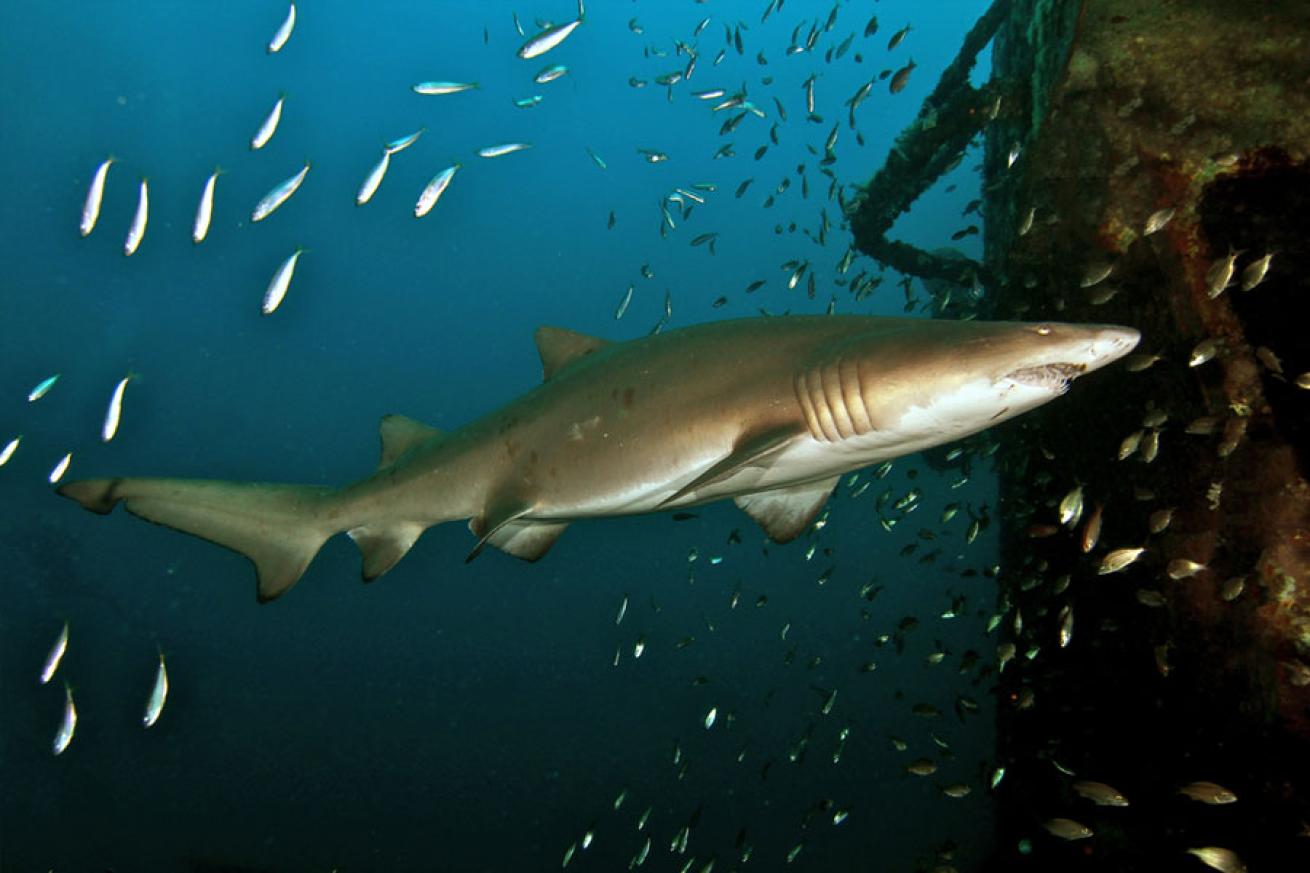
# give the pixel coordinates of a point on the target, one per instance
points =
(495, 517)
(559, 348)
(278, 527)
(528, 540)
(784, 513)
(384, 546)
(750, 450)
(399, 435)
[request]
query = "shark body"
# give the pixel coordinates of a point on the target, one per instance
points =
(766, 411)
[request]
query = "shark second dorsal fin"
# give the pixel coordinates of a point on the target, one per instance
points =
(559, 348)
(399, 435)
(784, 513)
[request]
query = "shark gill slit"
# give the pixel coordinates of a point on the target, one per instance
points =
(831, 398)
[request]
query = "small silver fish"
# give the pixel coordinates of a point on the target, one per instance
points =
(60, 469)
(550, 37)
(1220, 275)
(95, 194)
(205, 211)
(438, 88)
(1071, 507)
(8, 451)
(373, 179)
(1204, 351)
(137, 231)
(283, 32)
(1208, 792)
(1157, 220)
(158, 694)
(269, 127)
(1218, 858)
(623, 304)
(280, 193)
(42, 388)
(507, 148)
(399, 145)
(1100, 793)
(1182, 568)
(69, 724)
(281, 281)
(550, 74)
(1068, 829)
(1096, 273)
(1118, 559)
(115, 411)
(56, 655)
(435, 188)
(1255, 272)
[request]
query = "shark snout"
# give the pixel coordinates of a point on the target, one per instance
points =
(1110, 343)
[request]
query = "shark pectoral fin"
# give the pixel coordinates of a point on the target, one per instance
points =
(492, 520)
(384, 546)
(559, 348)
(278, 527)
(528, 540)
(399, 435)
(784, 513)
(751, 450)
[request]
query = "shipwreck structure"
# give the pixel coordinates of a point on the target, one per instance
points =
(1145, 164)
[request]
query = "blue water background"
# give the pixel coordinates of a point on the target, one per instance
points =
(448, 716)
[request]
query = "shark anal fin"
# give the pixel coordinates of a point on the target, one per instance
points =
(559, 348)
(751, 450)
(382, 547)
(784, 513)
(495, 517)
(400, 434)
(278, 527)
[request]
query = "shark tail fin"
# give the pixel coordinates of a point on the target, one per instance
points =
(278, 527)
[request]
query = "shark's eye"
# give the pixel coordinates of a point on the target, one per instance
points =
(1043, 330)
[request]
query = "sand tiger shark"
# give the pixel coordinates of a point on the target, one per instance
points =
(766, 411)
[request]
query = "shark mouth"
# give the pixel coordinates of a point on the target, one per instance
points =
(1053, 377)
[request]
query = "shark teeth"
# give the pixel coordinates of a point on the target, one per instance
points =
(1055, 377)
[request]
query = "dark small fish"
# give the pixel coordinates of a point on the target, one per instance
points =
(902, 77)
(755, 286)
(741, 189)
(704, 238)
(731, 124)
(968, 231)
(871, 28)
(610, 224)
(684, 516)
(720, 303)
(897, 37)
(761, 152)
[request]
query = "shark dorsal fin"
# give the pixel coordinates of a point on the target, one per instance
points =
(559, 348)
(400, 434)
